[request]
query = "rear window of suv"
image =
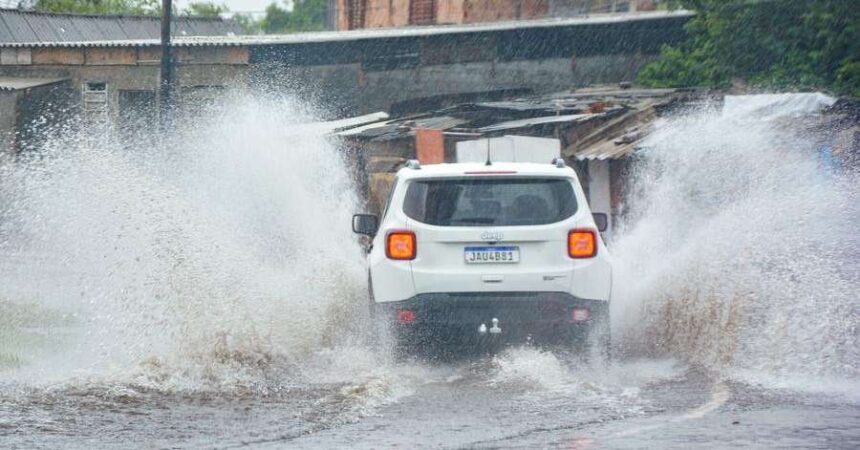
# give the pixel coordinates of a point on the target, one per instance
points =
(474, 202)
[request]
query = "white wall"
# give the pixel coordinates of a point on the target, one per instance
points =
(599, 193)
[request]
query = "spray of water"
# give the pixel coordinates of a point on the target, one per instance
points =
(220, 260)
(740, 253)
(223, 260)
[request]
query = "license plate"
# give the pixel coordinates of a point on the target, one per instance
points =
(492, 255)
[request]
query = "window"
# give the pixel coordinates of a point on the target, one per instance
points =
(355, 11)
(95, 86)
(422, 12)
(490, 202)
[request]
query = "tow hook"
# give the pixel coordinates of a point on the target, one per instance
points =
(495, 328)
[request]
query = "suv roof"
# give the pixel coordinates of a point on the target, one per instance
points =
(506, 168)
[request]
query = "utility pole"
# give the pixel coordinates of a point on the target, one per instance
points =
(168, 82)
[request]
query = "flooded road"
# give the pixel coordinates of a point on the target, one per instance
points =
(523, 398)
(214, 297)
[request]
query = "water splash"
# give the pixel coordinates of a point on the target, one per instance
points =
(740, 252)
(218, 263)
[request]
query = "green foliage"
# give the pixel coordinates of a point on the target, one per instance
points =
(100, 7)
(126, 7)
(276, 19)
(205, 9)
(798, 44)
(306, 15)
(248, 23)
(291, 16)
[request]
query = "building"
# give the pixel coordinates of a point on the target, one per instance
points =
(598, 128)
(357, 14)
(354, 72)
(28, 106)
(33, 100)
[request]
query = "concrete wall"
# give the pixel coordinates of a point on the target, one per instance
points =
(354, 77)
(347, 77)
(382, 89)
(128, 69)
(347, 89)
(599, 192)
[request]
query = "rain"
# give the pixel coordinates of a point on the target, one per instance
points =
(596, 224)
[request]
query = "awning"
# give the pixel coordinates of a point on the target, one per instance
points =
(15, 84)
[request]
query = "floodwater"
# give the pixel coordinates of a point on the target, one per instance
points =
(212, 295)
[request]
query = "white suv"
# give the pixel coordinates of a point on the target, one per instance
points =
(470, 252)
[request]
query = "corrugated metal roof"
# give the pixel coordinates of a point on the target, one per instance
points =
(401, 128)
(28, 28)
(604, 123)
(361, 129)
(609, 149)
(617, 138)
(225, 39)
(14, 83)
(533, 121)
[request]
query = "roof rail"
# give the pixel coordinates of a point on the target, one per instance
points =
(559, 162)
(413, 164)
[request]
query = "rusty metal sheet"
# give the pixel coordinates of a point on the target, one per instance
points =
(149, 55)
(110, 56)
(238, 55)
(58, 56)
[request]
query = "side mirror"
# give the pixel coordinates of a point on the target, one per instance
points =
(601, 220)
(366, 224)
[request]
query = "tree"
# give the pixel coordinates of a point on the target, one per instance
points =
(128, 7)
(799, 44)
(298, 15)
(276, 20)
(248, 23)
(101, 7)
(205, 9)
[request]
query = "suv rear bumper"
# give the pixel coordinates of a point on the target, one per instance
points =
(535, 316)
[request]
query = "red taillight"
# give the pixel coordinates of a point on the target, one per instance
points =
(401, 245)
(582, 243)
(406, 316)
(579, 315)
